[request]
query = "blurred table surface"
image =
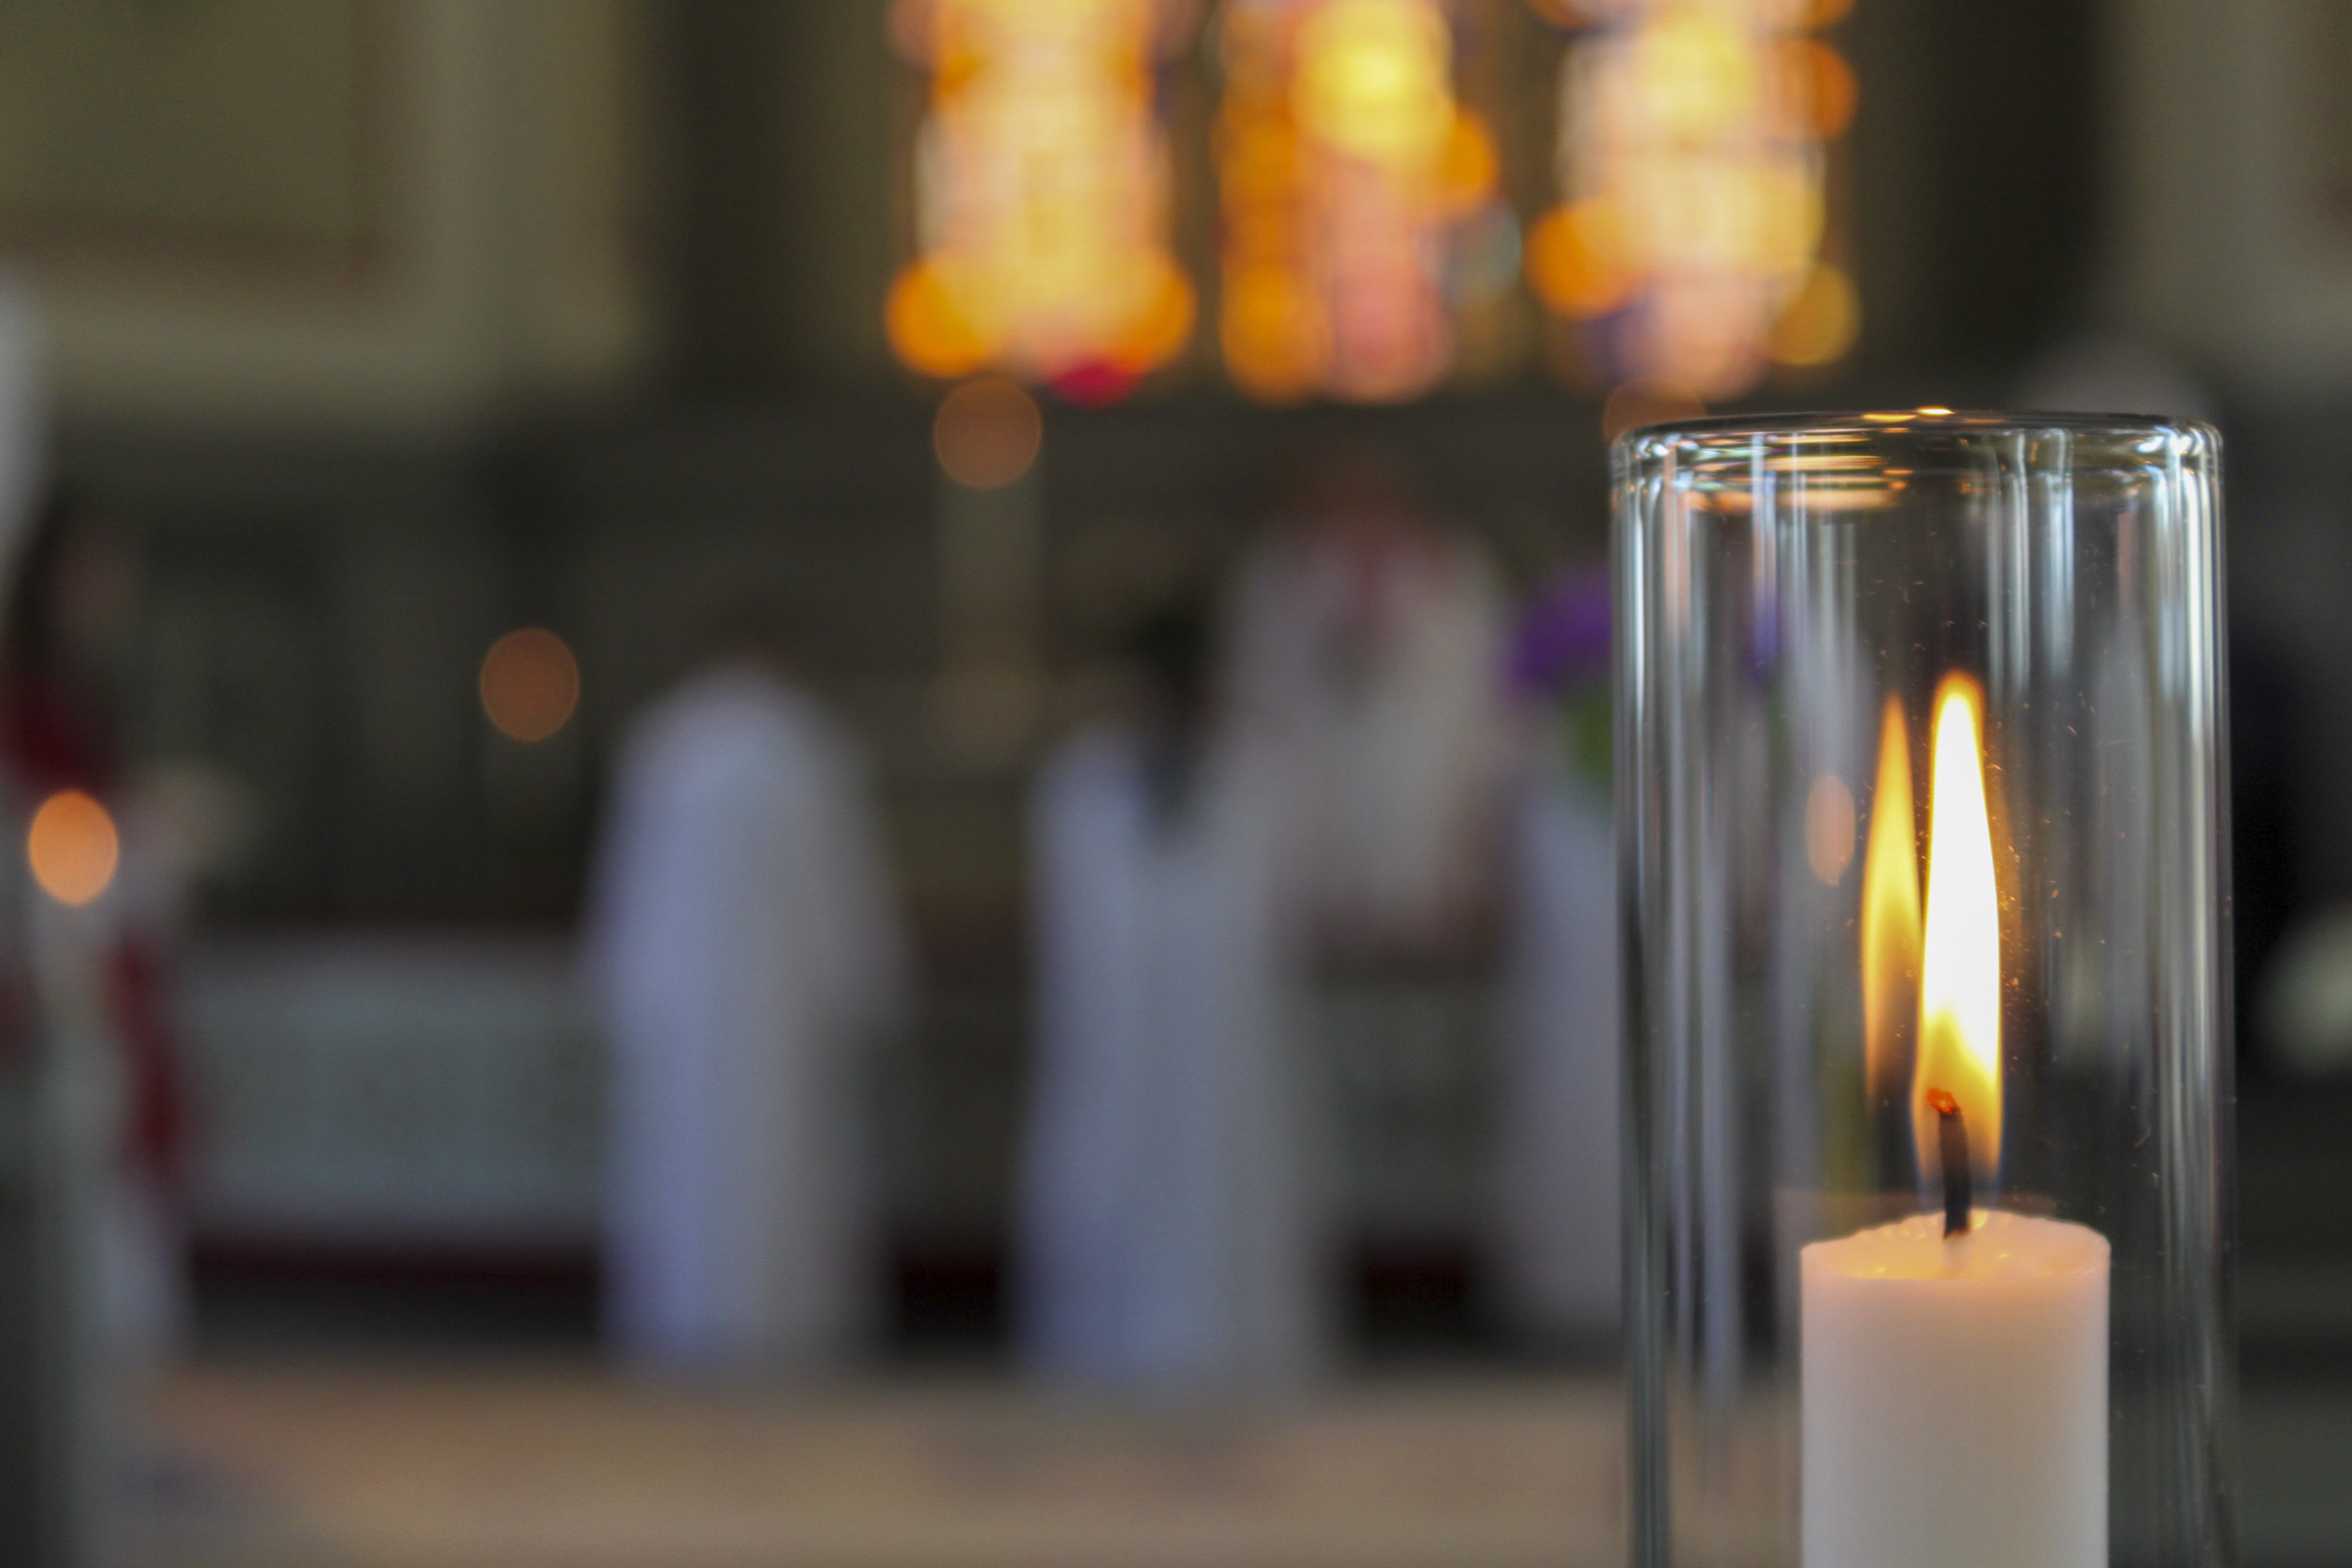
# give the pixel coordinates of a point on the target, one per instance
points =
(558, 1467)
(565, 1465)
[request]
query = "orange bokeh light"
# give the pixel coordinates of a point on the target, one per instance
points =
(1821, 86)
(1577, 261)
(72, 847)
(531, 683)
(929, 329)
(1272, 333)
(987, 434)
(1157, 332)
(1473, 167)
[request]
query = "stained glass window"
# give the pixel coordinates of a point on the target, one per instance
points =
(1693, 161)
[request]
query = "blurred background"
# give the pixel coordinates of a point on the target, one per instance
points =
(1036, 556)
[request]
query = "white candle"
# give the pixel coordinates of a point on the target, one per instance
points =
(1955, 1395)
(1953, 1366)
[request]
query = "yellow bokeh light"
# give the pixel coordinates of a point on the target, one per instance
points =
(1822, 323)
(1786, 219)
(72, 847)
(1695, 72)
(529, 684)
(1374, 80)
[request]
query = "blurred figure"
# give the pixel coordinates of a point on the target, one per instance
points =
(746, 950)
(1366, 645)
(103, 949)
(58, 1442)
(1555, 1231)
(1172, 1235)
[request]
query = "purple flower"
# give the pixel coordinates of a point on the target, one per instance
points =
(1564, 637)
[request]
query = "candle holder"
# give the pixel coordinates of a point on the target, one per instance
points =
(1921, 810)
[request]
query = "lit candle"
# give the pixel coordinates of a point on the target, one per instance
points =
(1954, 1380)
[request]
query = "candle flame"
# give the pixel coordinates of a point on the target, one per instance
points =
(1890, 909)
(1959, 980)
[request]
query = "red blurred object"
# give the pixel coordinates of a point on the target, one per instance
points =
(1097, 383)
(156, 1128)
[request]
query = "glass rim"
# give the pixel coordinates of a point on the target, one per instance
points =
(1916, 421)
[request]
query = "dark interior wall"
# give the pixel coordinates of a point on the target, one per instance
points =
(726, 233)
(311, 615)
(1979, 159)
(782, 125)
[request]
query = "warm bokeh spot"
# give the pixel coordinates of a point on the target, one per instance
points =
(72, 847)
(1822, 322)
(531, 683)
(1829, 828)
(987, 432)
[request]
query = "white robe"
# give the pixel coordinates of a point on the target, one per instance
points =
(1173, 1234)
(745, 947)
(1371, 664)
(1557, 1246)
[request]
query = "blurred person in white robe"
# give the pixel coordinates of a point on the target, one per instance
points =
(1556, 1237)
(747, 952)
(1174, 1236)
(1366, 642)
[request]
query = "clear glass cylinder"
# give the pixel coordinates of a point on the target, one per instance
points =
(1921, 813)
